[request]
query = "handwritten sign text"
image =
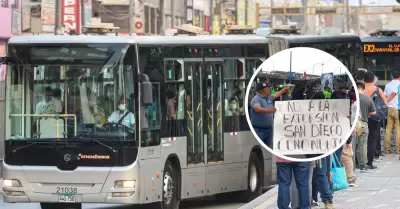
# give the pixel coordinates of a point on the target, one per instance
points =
(310, 126)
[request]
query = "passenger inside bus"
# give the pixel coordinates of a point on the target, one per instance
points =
(123, 115)
(171, 105)
(233, 108)
(49, 105)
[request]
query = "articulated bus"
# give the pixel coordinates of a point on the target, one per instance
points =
(185, 136)
(346, 48)
(381, 54)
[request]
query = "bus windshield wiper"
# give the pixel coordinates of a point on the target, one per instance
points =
(97, 141)
(31, 144)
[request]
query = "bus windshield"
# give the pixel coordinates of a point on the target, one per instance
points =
(382, 65)
(74, 91)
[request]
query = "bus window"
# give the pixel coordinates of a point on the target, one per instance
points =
(344, 53)
(234, 94)
(175, 98)
(251, 67)
(381, 66)
(235, 87)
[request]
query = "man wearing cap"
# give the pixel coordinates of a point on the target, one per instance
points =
(262, 111)
(123, 115)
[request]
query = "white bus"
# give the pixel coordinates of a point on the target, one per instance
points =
(186, 134)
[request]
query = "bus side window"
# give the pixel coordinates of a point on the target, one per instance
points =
(175, 99)
(234, 88)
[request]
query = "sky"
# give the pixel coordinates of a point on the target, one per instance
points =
(309, 60)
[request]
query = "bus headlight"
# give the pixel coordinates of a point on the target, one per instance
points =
(11, 183)
(124, 184)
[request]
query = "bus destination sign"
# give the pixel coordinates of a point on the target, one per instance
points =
(381, 48)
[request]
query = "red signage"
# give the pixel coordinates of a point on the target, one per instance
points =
(71, 15)
(138, 25)
(207, 23)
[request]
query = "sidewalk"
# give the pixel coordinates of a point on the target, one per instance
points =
(375, 189)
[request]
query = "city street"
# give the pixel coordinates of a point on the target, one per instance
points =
(375, 189)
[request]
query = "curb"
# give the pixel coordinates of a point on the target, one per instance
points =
(269, 196)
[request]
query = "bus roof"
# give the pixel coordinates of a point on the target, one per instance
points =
(144, 40)
(70, 39)
(201, 40)
(298, 39)
(380, 38)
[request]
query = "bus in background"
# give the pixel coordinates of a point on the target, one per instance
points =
(381, 51)
(140, 119)
(346, 48)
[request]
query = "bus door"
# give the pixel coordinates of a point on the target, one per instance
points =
(213, 107)
(194, 87)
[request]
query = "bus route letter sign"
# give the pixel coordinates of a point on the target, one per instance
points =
(310, 126)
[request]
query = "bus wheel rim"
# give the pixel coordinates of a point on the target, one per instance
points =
(168, 188)
(253, 178)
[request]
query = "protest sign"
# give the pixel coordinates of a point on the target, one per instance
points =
(310, 126)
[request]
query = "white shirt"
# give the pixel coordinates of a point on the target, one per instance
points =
(51, 107)
(128, 121)
(389, 89)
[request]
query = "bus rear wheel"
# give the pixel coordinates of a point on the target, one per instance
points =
(170, 188)
(254, 179)
(61, 205)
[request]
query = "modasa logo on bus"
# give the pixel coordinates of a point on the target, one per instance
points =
(371, 48)
(92, 157)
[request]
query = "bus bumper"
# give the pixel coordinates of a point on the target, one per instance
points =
(116, 185)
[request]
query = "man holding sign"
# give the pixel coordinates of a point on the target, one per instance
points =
(262, 111)
(310, 126)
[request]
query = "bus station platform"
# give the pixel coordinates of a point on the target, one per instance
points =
(379, 188)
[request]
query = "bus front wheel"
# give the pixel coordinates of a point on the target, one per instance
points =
(170, 188)
(61, 205)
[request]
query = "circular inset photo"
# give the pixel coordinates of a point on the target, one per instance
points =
(300, 103)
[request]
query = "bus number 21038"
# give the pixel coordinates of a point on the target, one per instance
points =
(67, 190)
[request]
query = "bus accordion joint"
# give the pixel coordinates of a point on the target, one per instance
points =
(285, 30)
(239, 30)
(190, 30)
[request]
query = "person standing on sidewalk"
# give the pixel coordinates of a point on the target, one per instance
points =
(348, 151)
(374, 122)
(393, 114)
(300, 170)
(367, 108)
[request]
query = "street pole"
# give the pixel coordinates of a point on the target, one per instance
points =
(358, 18)
(58, 27)
(131, 16)
(172, 13)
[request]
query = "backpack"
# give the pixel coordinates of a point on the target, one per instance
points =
(381, 108)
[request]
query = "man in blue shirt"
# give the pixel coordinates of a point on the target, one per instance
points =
(262, 111)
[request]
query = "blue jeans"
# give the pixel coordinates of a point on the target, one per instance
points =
(301, 175)
(266, 135)
(323, 181)
(338, 153)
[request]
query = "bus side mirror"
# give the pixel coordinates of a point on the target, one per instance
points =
(2, 60)
(146, 90)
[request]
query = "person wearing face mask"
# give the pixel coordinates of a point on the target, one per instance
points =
(123, 115)
(233, 106)
(262, 110)
(49, 105)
